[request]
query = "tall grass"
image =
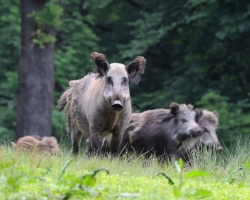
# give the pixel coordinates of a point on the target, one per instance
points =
(26, 175)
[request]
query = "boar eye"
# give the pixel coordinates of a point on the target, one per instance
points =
(183, 120)
(124, 81)
(109, 80)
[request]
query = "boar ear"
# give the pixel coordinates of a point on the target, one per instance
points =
(198, 114)
(216, 114)
(135, 69)
(101, 62)
(174, 108)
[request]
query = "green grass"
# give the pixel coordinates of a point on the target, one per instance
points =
(34, 176)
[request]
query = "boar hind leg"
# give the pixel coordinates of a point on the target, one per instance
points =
(76, 140)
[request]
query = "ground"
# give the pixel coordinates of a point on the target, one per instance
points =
(25, 175)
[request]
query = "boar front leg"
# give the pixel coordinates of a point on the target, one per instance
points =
(115, 141)
(76, 137)
(95, 143)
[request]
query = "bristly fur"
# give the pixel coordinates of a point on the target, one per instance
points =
(208, 116)
(68, 103)
(64, 99)
(69, 99)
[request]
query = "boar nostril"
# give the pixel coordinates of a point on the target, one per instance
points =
(117, 105)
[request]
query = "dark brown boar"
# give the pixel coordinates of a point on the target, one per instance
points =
(209, 122)
(99, 104)
(47, 145)
(160, 131)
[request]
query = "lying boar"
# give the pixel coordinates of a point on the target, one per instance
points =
(160, 131)
(208, 121)
(99, 104)
(47, 145)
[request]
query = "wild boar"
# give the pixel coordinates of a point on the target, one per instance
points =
(209, 122)
(160, 131)
(47, 145)
(99, 104)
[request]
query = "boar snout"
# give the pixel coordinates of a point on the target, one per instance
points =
(117, 105)
(214, 147)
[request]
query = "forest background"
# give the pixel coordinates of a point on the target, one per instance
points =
(197, 52)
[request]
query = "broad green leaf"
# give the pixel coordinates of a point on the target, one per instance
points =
(89, 180)
(176, 191)
(202, 193)
(193, 174)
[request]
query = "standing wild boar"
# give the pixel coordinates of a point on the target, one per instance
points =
(208, 121)
(99, 104)
(48, 145)
(160, 131)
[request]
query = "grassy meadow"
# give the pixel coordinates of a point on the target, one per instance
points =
(26, 175)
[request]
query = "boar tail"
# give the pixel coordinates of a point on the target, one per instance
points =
(64, 99)
(61, 103)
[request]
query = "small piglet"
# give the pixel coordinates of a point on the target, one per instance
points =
(46, 145)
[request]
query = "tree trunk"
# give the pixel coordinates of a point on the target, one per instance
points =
(36, 78)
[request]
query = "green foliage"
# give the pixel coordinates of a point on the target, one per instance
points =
(49, 15)
(193, 174)
(9, 55)
(10, 31)
(42, 38)
(46, 18)
(190, 47)
(8, 91)
(58, 124)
